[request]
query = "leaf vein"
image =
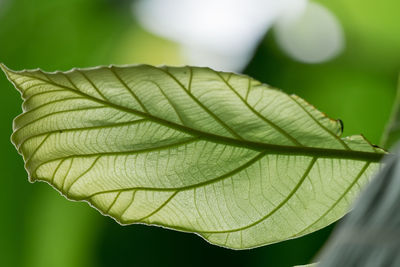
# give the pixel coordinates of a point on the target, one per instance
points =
(97, 89)
(189, 187)
(112, 70)
(312, 151)
(113, 203)
(137, 151)
(294, 190)
(320, 124)
(128, 123)
(255, 112)
(159, 208)
(362, 171)
(209, 112)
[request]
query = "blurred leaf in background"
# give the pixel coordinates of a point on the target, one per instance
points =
(356, 83)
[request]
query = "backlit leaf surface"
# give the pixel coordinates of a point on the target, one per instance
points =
(217, 154)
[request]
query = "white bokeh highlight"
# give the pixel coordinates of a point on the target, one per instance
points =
(313, 36)
(222, 34)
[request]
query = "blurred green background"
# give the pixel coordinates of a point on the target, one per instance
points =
(40, 228)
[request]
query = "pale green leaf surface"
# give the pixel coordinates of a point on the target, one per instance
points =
(217, 154)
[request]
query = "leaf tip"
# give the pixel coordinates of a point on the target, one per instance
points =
(12, 75)
(4, 68)
(7, 71)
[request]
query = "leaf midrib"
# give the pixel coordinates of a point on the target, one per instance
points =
(270, 148)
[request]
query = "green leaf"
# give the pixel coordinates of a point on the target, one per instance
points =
(218, 154)
(308, 265)
(368, 236)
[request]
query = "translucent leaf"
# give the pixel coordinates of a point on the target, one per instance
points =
(369, 234)
(217, 154)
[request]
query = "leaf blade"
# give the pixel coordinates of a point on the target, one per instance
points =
(191, 149)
